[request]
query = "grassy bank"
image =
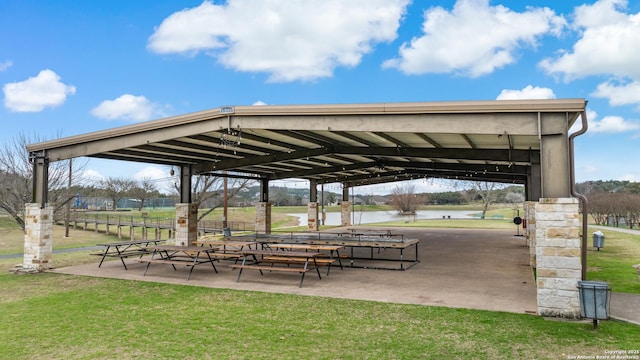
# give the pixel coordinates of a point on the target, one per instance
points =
(53, 316)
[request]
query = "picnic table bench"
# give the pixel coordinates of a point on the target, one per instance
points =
(125, 249)
(266, 260)
(189, 256)
(227, 249)
(323, 259)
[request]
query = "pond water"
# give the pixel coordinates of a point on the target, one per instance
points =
(367, 217)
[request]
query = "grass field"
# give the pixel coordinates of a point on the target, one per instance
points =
(55, 316)
(615, 262)
(52, 316)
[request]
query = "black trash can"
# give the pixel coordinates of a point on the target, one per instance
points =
(594, 300)
(598, 240)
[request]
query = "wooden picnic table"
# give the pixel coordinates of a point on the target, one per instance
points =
(382, 250)
(369, 232)
(334, 252)
(266, 260)
(228, 249)
(189, 256)
(125, 249)
(228, 245)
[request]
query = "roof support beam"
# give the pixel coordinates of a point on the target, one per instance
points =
(185, 184)
(400, 175)
(40, 162)
(408, 166)
(250, 161)
(497, 155)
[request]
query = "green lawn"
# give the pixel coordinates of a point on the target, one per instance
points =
(614, 263)
(54, 316)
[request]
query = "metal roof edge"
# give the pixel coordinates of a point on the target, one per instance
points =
(453, 107)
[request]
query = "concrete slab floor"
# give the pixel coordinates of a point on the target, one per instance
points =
(458, 268)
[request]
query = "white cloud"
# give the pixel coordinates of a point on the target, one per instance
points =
(607, 44)
(619, 94)
(91, 177)
(157, 175)
(288, 39)
(259, 103)
(529, 92)
(151, 173)
(610, 124)
(127, 107)
(473, 39)
(36, 93)
(5, 65)
(602, 12)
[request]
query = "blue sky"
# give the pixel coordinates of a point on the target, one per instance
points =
(70, 67)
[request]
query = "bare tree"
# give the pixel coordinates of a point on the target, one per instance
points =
(609, 208)
(633, 215)
(600, 206)
(514, 197)
(142, 192)
(16, 178)
(405, 200)
(330, 198)
(117, 188)
(207, 191)
(279, 196)
(483, 191)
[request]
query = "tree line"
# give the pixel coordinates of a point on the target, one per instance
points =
(614, 203)
(406, 201)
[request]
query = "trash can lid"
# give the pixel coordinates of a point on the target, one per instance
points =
(599, 233)
(592, 284)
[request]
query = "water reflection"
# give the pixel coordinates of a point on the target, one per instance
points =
(367, 217)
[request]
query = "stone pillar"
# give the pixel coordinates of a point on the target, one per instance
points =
(263, 218)
(312, 216)
(186, 224)
(38, 237)
(557, 236)
(530, 231)
(525, 222)
(345, 213)
(345, 207)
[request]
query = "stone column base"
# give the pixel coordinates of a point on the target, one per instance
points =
(558, 257)
(345, 213)
(186, 224)
(38, 238)
(263, 218)
(312, 216)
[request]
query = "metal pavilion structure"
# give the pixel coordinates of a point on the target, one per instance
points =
(509, 141)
